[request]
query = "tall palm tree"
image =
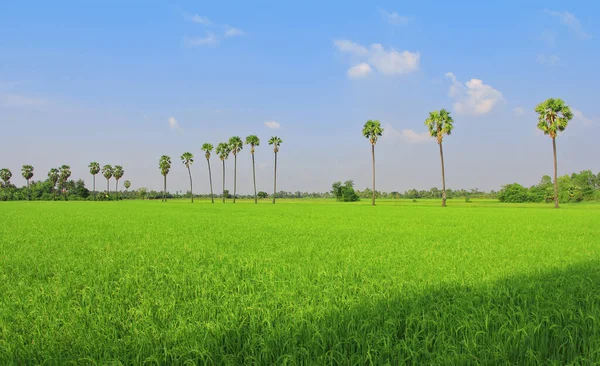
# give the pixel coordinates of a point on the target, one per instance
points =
(235, 145)
(223, 152)
(207, 148)
(276, 142)
(165, 165)
(372, 130)
(188, 159)
(107, 172)
(94, 169)
(554, 116)
(440, 123)
(64, 174)
(53, 176)
(253, 141)
(118, 174)
(5, 175)
(127, 184)
(27, 172)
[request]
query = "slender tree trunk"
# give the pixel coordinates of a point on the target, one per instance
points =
(212, 199)
(94, 180)
(28, 191)
(117, 189)
(254, 178)
(443, 176)
(234, 176)
(555, 174)
(165, 189)
(223, 181)
(275, 180)
(191, 187)
(373, 161)
(108, 187)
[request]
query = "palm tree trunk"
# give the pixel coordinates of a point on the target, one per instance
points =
(223, 181)
(94, 180)
(443, 177)
(191, 187)
(108, 187)
(254, 178)
(234, 176)
(165, 189)
(117, 189)
(555, 174)
(28, 191)
(212, 199)
(275, 180)
(373, 161)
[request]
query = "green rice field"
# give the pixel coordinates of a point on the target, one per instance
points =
(299, 282)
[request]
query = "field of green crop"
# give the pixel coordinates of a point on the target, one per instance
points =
(298, 283)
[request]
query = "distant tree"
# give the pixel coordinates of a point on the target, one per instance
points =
(27, 173)
(207, 148)
(107, 172)
(553, 117)
(64, 174)
(235, 145)
(5, 175)
(94, 170)
(53, 177)
(344, 192)
(440, 123)
(263, 194)
(118, 173)
(276, 142)
(372, 130)
(188, 159)
(223, 152)
(127, 184)
(253, 141)
(165, 166)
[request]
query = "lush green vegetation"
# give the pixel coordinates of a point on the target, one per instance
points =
(300, 282)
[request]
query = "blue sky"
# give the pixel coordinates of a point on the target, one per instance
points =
(124, 82)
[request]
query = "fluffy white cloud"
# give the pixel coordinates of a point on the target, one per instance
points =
(569, 20)
(394, 18)
(474, 97)
(209, 40)
(233, 32)
(387, 62)
(197, 19)
(406, 135)
(272, 125)
(359, 71)
(351, 47)
(518, 111)
(551, 60)
(578, 116)
(173, 122)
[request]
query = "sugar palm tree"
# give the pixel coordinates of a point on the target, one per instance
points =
(372, 130)
(94, 169)
(64, 174)
(107, 172)
(440, 123)
(223, 152)
(235, 145)
(165, 165)
(188, 159)
(118, 174)
(53, 176)
(5, 175)
(253, 141)
(207, 148)
(27, 173)
(276, 142)
(127, 184)
(554, 116)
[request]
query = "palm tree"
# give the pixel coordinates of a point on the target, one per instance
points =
(118, 174)
(207, 148)
(372, 130)
(127, 184)
(223, 152)
(253, 141)
(165, 165)
(94, 169)
(27, 172)
(64, 174)
(276, 142)
(554, 116)
(5, 175)
(107, 172)
(235, 145)
(440, 123)
(53, 176)
(188, 159)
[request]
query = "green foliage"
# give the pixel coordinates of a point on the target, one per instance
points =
(107, 171)
(164, 164)
(276, 142)
(372, 130)
(235, 145)
(94, 168)
(223, 150)
(553, 116)
(577, 187)
(118, 172)
(127, 184)
(207, 148)
(439, 123)
(187, 158)
(253, 141)
(27, 172)
(344, 192)
(5, 175)
(262, 194)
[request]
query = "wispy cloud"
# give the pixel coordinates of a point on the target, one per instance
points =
(359, 71)
(578, 116)
(272, 125)
(394, 18)
(195, 18)
(209, 40)
(549, 60)
(548, 37)
(173, 123)
(473, 97)
(406, 135)
(570, 20)
(387, 62)
(233, 32)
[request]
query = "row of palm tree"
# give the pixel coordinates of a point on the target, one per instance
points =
(108, 171)
(553, 117)
(224, 149)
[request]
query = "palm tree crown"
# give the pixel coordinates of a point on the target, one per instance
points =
(164, 164)
(372, 130)
(554, 116)
(127, 184)
(27, 172)
(439, 123)
(65, 172)
(94, 168)
(53, 176)
(207, 148)
(223, 150)
(187, 158)
(253, 141)
(118, 172)
(236, 145)
(275, 141)
(107, 171)
(5, 175)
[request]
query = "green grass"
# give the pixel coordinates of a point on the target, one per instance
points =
(299, 283)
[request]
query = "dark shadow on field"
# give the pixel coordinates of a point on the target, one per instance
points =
(552, 317)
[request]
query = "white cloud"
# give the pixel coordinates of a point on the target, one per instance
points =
(474, 97)
(578, 116)
(272, 125)
(359, 71)
(394, 18)
(551, 60)
(173, 123)
(197, 19)
(569, 20)
(518, 111)
(233, 32)
(209, 40)
(387, 62)
(407, 135)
